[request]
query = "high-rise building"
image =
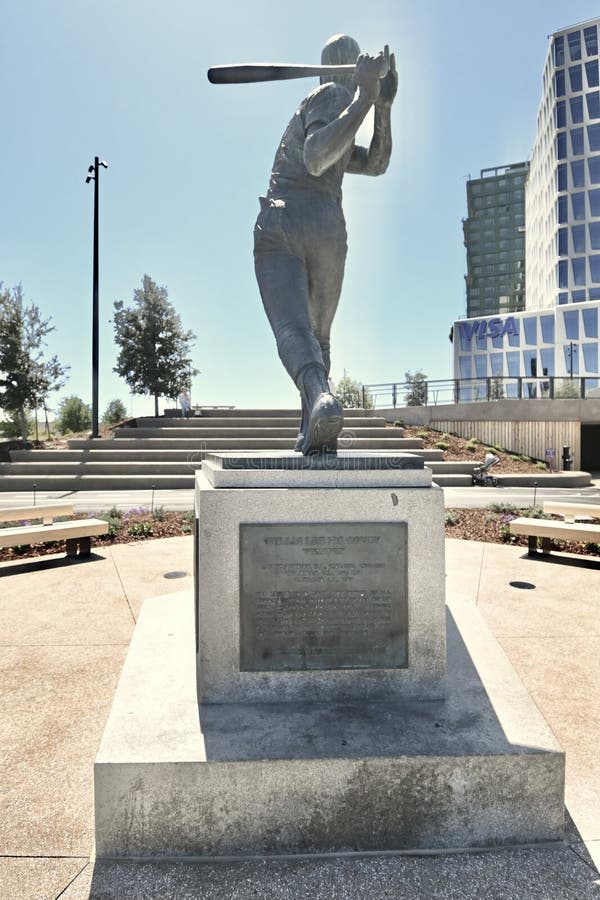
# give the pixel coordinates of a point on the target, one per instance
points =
(563, 192)
(558, 332)
(494, 235)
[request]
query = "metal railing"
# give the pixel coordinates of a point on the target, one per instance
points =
(474, 390)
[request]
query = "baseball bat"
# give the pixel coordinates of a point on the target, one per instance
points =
(253, 72)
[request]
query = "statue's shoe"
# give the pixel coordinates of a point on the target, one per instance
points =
(324, 425)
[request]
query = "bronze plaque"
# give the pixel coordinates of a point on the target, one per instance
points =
(323, 596)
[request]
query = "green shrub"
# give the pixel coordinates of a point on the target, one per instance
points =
(114, 413)
(159, 513)
(423, 435)
(504, 509)
(451, 518)
(471, 446)
(591, 547)
(398, 423)
(73, 415)
(525, 458)
(541, 465)
(140, 529)
(514, 456)
(499, 448)
(442, 445)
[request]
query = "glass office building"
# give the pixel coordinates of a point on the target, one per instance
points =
(557, 333)
(494, 235)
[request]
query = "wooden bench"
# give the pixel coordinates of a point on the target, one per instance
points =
(77, 534)
(548, 529)
(572, 511)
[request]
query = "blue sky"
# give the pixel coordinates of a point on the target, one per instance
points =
(126, 80)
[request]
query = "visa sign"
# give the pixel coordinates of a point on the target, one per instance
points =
(484, 328)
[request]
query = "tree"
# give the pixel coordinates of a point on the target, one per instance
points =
(416, 394)
(115, 412)
(350, 394)
(73, 415)
(26, 378)
(11, 427)
(155, 350)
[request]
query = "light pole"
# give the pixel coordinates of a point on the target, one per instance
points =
(93, 176)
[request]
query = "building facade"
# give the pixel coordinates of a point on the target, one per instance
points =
(494, 236)
(556, 335)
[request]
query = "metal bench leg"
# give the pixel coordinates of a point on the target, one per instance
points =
(82, 544)
(531, 544)
(545, 545)
(72, 546)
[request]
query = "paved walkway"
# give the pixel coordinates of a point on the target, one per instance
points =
(65, 628)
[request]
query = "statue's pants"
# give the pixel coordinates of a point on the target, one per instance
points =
(299, 257)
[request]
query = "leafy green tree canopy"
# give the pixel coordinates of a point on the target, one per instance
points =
(154, 356)
(73, 415)
(416, 393)
(350, 394)
(114, 413)
(26, 377)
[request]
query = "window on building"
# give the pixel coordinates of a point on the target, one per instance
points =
(593, 104)
(590, 323)
(559, 83)
(563, 210)
(547, 323)
(578, 204)
(563, 298)
(559, 50)
(591, 71)
(595, 269)
(578, 173)
(561, 177)
(578, 266)
(512, 363)
(481, 365)
(594, 228)
(590, 357)
(563, 273)
(496, 364)
(530, 362)
(594, 169)
(591, 42)
(594, 198)
(574, 40)
(575, 79)
(578, 238)
(547, 357)
(576, 105)
(571, 321)
(563, 242)
(571, 352)
(577, 141)
(594, 293)
(593, 132)
(464, 363)
(514, 340)
(530, 329)
(577, 296)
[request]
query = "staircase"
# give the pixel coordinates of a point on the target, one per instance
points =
(165, 452)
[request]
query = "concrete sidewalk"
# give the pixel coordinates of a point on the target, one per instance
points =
(65, 631)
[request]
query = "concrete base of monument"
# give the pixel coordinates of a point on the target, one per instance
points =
(478, 769)
(319, 590)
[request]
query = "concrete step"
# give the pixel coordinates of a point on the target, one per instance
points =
(269, 413)
(443, 480)
(215, 444)
(452, 467)
(97, 482)
(266, 432)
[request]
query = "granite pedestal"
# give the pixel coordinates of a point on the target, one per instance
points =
(291, 751)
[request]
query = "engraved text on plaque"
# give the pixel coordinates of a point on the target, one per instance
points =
(323, 596)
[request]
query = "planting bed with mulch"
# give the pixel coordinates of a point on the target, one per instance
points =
(141, 524)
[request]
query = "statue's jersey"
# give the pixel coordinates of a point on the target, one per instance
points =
(320, 107)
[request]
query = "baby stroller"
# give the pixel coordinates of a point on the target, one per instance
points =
(481, 478)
